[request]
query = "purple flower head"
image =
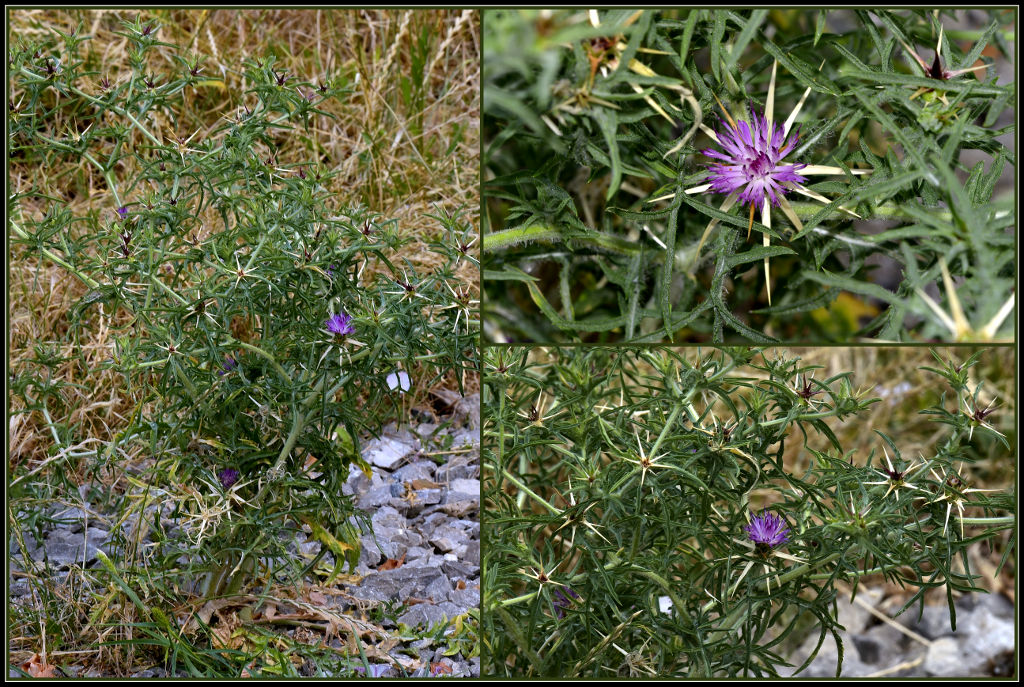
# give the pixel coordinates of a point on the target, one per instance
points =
(122, 212)
(340, 324)
(751, 160)
(229, 365)
(228, 476)
(562, 601)
(767, 529)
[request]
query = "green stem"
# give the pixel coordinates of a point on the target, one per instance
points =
(1010, 520)
(730, 621)
(117, 110)
(515, 600)
(665, 586)
(798, 418)
(303, 411)
(88, 281)
(551, 509)
(664, 430)
(181, 299)
(507, 238)
(273, 362)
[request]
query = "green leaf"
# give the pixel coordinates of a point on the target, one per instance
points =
(756, 254)
(819, 25)
(853, 286)
(607, 120)
(803, 72)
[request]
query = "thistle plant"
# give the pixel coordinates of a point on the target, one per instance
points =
(687, 513)
(254, 317)
(620, 143)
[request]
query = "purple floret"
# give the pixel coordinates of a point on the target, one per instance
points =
(750, 163)
(340, 324)
(229, 365)
(767, 529)
(562, 601)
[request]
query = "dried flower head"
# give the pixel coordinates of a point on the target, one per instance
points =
(228, 477)
(895, 479)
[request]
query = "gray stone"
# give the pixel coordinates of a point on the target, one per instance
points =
(30, 543)
(459, 505)
(824, 664)
(852, 615)
(457, 471)
(944, 659)
(72, 519)
(446, 545)
(357, 482)
(465, 438)
(439, 589)
(933, 621)
(371, 553)
(466, 598)
(470, 527)
(379, 548)
(468, 409)
(447, 539)
(465, 486)
(309, 549)
(472, 553)
(428, 497)
(388, 451)
(408, 537)
(425, 430)
(415, 554)
(64, 548)
(459, 569)
(420, 469)
(428, 615)
(375, 497)
(432, 521)
(402, 583)
(984, 637)
(993, 604)
(884, 646)
(388, 517)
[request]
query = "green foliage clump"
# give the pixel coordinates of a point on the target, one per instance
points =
(218, 267)
(619, 486)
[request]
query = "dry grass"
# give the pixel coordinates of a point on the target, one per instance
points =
(404, 150)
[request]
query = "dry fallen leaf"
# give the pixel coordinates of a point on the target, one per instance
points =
(392, 564)
(38, 667)
(206, 612)
(439, 668)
